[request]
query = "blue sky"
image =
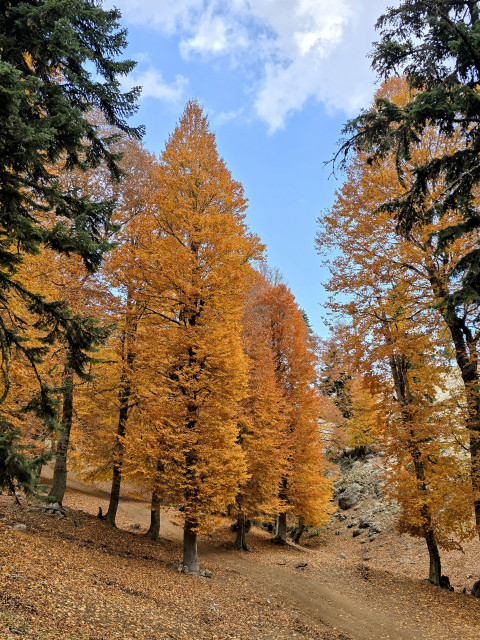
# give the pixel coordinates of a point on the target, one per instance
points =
(278, 79)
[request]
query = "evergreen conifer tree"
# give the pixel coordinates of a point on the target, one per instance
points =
(47, 52)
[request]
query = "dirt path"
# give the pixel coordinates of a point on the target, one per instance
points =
(329, 602)
(328, 590)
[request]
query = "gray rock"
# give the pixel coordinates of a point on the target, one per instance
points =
(374, 529)
(20, 527)
(301, 565)
(350, 496)
(206, 573)
(469, 576)
(365, 557)
(364, 522)
(338, 532)
(342, 555)
(135, 526)
(356, 532)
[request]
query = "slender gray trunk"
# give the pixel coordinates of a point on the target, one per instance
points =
(154, 530)
(190, 553)
(281, 535)
(59, 480)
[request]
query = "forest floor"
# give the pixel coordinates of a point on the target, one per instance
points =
(77, 578)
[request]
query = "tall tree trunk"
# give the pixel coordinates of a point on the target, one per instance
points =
(435, 565)
(154, 529)
(281, 534)
(467, 360)
(124, 397)
(59, 480)
(243, 527)
(399, 368)
(297, 533)
(190, 553)
(111, 514)
(466, 355)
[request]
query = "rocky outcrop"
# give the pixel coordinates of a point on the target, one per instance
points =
(363, 511)
(350, 496)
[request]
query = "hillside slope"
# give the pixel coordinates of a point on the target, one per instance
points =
(77, 578)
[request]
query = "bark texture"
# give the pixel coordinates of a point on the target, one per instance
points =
(281, 533)
(190, 553)
(298, 532)
(154, 529)
(243, 527)
(59, 479)
(435, 572)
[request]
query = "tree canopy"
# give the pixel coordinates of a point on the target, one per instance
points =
(58, 61)
(436, 45)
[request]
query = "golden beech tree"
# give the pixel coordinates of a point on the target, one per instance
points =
(305, 489)
(195, 278)
(402, 361)
(421, 257)
(422, 434)
(102, 438)
(386, 285)
(262, 420)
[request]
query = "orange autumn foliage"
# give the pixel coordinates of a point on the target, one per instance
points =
(306, 490)
(194, 271)
(386, 289)
(263, 419)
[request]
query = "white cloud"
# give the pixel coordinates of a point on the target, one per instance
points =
(153, 85)
(227, 116)
(297, 49)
